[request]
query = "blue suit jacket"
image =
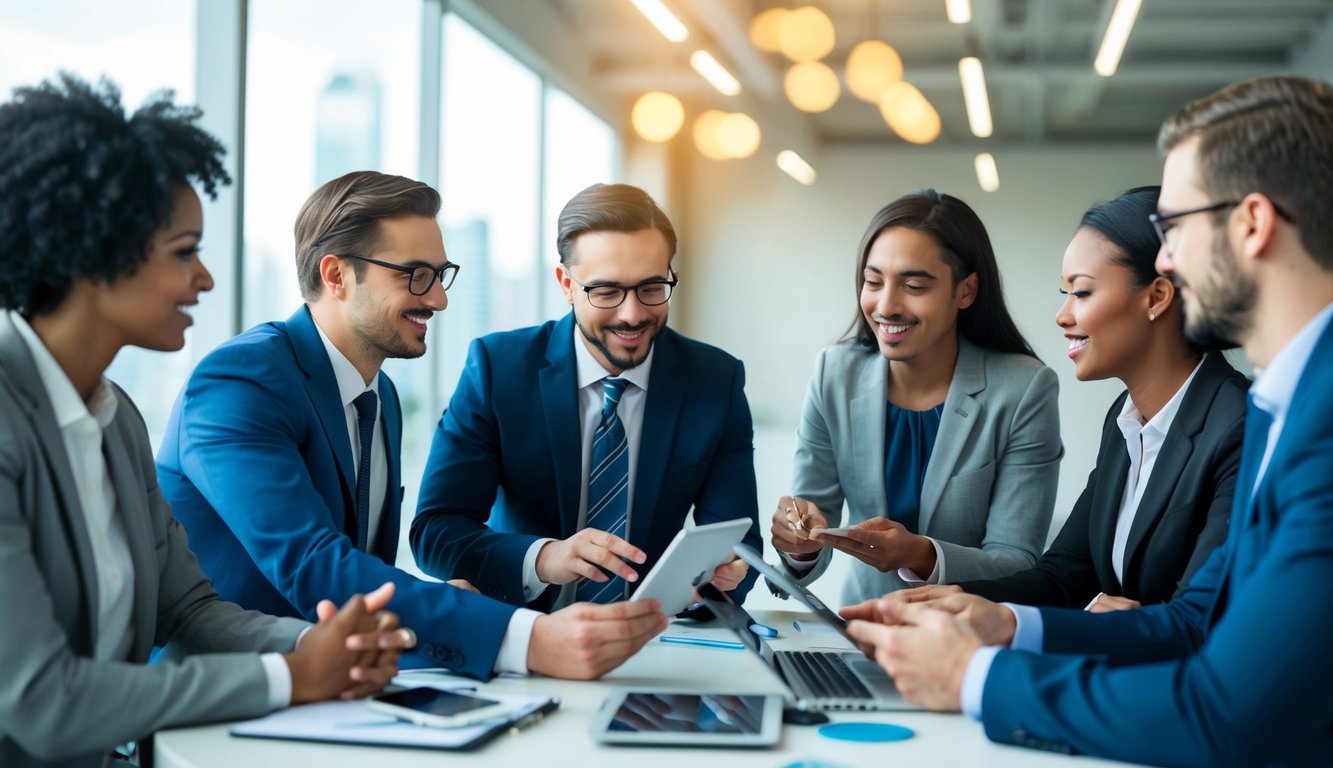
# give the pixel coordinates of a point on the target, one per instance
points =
(257, 465)
(505, 467)
(1237, 670)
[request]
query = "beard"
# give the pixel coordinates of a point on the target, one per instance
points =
(619, 361)
(381, 333)
(1224, 301)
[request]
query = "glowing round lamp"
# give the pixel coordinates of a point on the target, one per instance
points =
(811, 86)
(706, 134)
(909, 114)
(738, 135)
(805, 34)
(764, 29)
(657, 116)
(872, 67)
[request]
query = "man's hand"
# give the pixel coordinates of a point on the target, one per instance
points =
(351, 652)
(792, 521)
(463, 584)
(926, 653)
(1105, 603)
(585, 641)
(729, 575)
(993, 623)
(560, 562)
(884, 544)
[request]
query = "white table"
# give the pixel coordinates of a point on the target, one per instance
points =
(562, 739)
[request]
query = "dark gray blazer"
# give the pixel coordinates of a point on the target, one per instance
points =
(990, 485)
(58, 705)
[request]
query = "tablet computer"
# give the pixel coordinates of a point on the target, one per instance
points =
(688, 718)
(689, 561)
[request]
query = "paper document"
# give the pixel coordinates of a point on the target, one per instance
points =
(812, 628)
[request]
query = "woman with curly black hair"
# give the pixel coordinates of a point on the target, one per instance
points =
(99, 249)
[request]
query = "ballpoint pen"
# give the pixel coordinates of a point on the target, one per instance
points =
(535, 716)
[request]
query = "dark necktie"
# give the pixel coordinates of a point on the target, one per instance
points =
(1257, 424)
(366, 410)
(608, 486)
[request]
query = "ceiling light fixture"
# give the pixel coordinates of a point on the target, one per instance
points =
(657, 116)
(1117, 34)
(805, 34)
(796, 167)
(974, 96)
(988, 176)
(764, 30)
(909, 114)
(662, 18)
(872, 67)
(717, 75)
(811, 86)
(960, 11)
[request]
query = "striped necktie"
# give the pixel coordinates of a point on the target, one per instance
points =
(608, 486)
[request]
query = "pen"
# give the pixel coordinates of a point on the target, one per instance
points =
(535, 716)
(706, 642)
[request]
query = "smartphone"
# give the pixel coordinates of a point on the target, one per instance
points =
(436, 708)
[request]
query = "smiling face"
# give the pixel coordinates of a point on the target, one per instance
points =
(387, 319)
(149, 308)
(1104, 315)
(909, 297)
(618, 338)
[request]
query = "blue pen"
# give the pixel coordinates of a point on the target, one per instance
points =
(706, 642)
(762, 630)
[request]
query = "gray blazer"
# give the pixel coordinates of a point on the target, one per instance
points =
(58, 705)
(990, 484)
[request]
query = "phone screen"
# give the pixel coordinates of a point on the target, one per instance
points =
(431, 701)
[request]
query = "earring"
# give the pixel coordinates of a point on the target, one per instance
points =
(1152, 316)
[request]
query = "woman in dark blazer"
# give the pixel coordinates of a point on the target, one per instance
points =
(1156, 504)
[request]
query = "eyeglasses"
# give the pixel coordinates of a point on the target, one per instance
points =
(1160, 221)
(422, 276)
(650, 293)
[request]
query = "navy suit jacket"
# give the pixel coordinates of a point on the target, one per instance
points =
(505, 467)
(1237, 670)
(257, 465)
(1180, 520)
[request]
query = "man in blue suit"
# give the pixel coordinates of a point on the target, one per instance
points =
(1235, 671)
(572, 452)
(282, 458)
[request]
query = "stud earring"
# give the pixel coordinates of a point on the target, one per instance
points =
(1152, 316)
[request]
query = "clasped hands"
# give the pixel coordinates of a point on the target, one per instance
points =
(351, 652)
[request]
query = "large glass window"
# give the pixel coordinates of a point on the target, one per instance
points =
(143, 46)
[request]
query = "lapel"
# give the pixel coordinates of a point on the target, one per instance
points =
(960, 419)
(558, 383)
(1112, 475)
(18, 365)
(132, 507)
(661, 414)
(867, 419)
(391, 411)
(322, 389)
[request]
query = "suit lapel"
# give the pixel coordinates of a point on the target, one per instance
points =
(960, 418)
(661, 414)
(322, 389)
(867, 418)
(558, 382)
(131, 507)
(1112, 475)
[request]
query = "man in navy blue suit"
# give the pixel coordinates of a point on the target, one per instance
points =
(282, 455)
(572, 452)
(1235, 671)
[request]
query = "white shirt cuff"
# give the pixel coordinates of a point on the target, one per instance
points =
(798, 567)
(1027, 632)
(513, 655)
(279, 679)
(533, 586)
(974, 680)
(936, 574)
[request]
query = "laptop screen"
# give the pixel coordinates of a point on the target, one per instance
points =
(782, 580)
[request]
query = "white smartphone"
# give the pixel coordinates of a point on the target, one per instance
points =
(689, 561)
(436, 708)
(833, 531)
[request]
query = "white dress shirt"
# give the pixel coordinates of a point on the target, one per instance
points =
(350, 387)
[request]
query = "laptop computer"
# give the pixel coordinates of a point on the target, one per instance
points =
(818, 680)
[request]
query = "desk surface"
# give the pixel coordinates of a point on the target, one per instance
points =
(562, 739)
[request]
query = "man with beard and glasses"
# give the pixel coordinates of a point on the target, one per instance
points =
(572, 452)
(282, 456)
(1235, 670)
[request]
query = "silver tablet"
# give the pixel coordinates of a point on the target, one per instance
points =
(684, 718)
(689, 561)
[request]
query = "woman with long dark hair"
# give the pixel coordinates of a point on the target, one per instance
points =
(933, 420)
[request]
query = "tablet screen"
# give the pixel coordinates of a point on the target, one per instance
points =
(689, 713)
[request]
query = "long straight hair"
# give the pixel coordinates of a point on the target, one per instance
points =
(966, 248)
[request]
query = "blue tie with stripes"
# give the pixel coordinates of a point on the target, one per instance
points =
(608, 486)
(366, 411)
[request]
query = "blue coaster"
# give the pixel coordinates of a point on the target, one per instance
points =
(866, 732)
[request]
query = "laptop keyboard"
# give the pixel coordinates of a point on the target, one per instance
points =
(824, 672)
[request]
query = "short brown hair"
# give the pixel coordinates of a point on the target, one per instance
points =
(610, 208)
(343, 216)
(1272, 135)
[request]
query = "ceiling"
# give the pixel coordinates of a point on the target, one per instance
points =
(1037, 56)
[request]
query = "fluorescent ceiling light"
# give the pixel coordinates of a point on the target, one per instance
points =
(794, 166)
(974, 96)
(1117, 34)
(665, 21)
(716, 74)
(988, 176)
(960, 11)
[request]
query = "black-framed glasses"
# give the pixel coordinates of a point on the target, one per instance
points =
(1161, 222)
(650, 293)
(422, 276)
